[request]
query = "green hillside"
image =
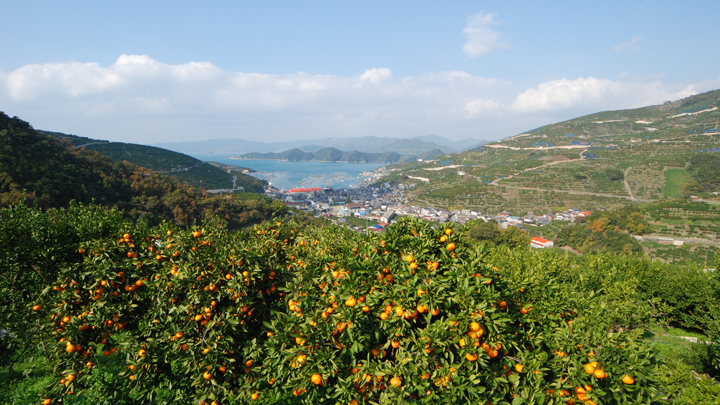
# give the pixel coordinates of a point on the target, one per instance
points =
(599, 160)
(249, 183)
(325, 155)
(36, 167)
(77, 141)
(204, 176)
(426, 155)
(157, 159)
(184, 168)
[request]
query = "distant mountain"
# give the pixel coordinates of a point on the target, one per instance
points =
(312, 148)
(325, 155)
(412, 147)
(361, 144)
(461, 145)
(474, 145)
(403, 146)
(239, 146)
(230, 146)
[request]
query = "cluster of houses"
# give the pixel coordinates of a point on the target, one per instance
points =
(321, 199)
(381, 206)
(505, 218)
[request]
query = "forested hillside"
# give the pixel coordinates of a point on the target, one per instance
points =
(42, 168)
(150, 157)
(185, 168)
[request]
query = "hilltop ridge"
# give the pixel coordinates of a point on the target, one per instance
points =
(180, 166)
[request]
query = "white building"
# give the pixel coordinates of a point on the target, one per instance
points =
(540, 243)
(387, 217)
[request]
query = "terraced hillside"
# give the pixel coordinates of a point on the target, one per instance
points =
(600, 160)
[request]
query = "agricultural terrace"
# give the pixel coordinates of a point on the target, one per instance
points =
(623, 155)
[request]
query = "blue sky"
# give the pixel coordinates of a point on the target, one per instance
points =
(151, 72)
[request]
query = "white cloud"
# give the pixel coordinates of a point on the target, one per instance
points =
(132, 96)
(139, 99)
(596, 93)
(479, 106)
(376, 76)
(631, 45)
(481, 38)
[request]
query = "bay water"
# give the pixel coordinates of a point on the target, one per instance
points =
(287, 175)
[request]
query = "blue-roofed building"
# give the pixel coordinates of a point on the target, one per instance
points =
(569, 135)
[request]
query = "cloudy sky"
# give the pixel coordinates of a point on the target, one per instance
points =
(150, 72)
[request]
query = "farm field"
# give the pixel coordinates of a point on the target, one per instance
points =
(674, 180)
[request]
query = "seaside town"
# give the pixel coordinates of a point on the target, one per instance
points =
(380, 206)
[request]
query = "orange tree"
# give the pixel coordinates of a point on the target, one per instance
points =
(412, 315)
(417, 315)
(184, 307)
(34, 244)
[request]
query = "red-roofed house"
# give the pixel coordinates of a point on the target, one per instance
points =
(585, 214)
(540, 243)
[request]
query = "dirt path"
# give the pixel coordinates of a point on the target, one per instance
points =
(654, 237)
(627, 186)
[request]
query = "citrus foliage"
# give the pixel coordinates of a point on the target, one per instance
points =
(413, 315)
(33, 246)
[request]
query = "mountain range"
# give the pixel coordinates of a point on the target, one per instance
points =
(325, 155)
(420, 145)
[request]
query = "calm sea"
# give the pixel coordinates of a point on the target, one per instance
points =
(288, 175)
